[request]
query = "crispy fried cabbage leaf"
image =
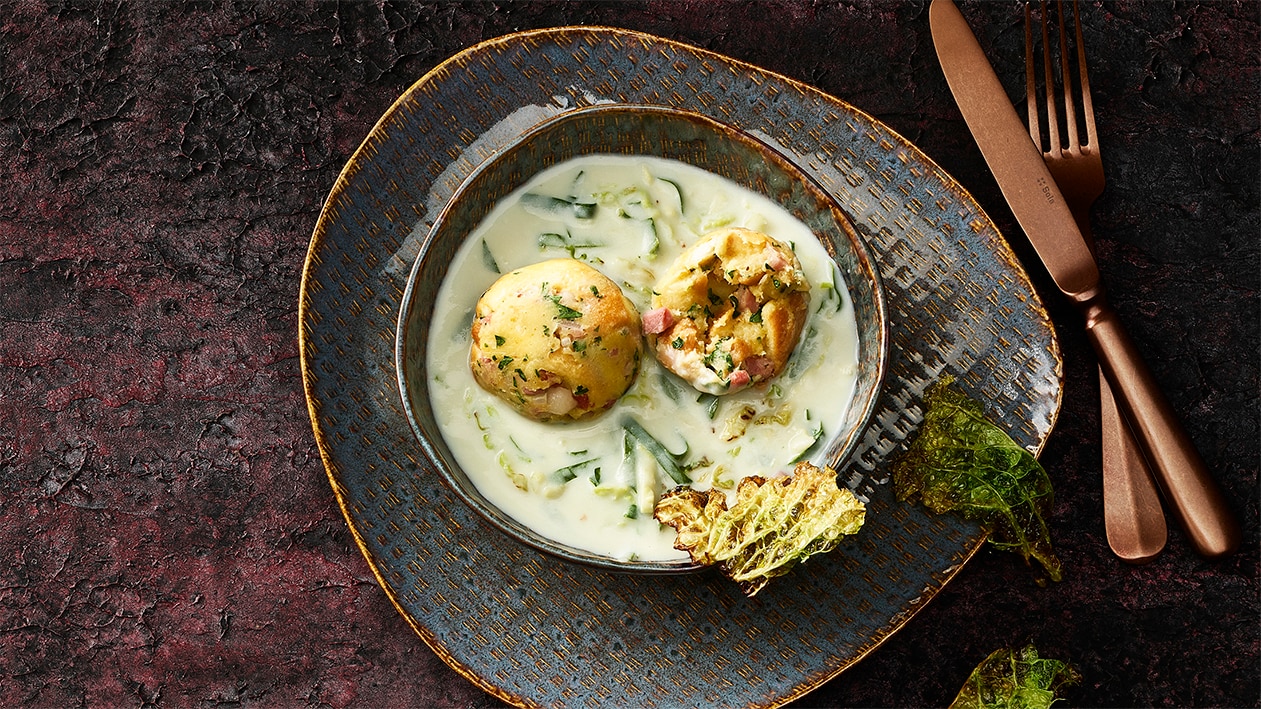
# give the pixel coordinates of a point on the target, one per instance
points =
(1015, 679)
(773, 525)
(960, 462)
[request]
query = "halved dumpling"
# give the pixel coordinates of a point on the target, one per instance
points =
(730, 310)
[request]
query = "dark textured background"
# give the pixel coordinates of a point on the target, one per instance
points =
(171, 538)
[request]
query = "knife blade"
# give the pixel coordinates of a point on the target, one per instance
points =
(1039, 208)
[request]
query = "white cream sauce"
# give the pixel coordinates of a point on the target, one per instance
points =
(586, 484)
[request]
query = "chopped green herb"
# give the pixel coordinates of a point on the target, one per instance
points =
(720, 359)
(635, 204)
(831, 294)
(565, 242)
(710, 402)
(677, 188)
(524, 455)
(816, 434)
(569, 472)
(677, 343)
(668, 384)
(557, 207)
(564, 312)
(499, 341)
(488, 259)
(672, 463)
(803, 355)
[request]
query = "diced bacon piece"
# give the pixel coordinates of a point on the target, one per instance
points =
(739, 378)
(746, 299)
(759, 367)
(775, 259)
(569, 329)
(657, 321)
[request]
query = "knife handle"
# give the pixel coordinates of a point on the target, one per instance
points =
(1191, 491)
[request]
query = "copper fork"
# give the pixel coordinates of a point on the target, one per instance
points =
(1133, 518)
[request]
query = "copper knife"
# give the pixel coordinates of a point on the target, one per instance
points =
(1036, 202)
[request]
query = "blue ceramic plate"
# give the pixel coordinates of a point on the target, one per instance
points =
(535, 631)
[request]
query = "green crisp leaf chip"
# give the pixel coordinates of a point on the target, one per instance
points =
(960, 462)
(1015, 679)
(773, 525)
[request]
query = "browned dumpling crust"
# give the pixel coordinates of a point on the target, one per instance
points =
(729, 312)
(557, 340)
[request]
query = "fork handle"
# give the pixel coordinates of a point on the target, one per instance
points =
(1191, 491)
(1133, 519)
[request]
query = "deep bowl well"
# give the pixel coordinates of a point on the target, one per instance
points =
(631, 130)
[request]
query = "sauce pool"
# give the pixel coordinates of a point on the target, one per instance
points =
(590, 484)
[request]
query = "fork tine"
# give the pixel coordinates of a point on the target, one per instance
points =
(1052, 120)
(1087, 106)
(1031, 82)
(1066, 83)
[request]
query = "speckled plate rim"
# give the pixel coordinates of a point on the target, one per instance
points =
(326, 446)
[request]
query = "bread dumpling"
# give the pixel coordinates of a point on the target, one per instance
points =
(557, 340)
(729, 311)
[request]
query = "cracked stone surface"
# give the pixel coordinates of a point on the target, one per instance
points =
(171, 536)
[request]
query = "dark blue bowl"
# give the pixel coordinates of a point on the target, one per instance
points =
(631, 130)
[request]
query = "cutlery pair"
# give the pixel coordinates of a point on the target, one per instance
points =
(1024, 175)
(1133, 518)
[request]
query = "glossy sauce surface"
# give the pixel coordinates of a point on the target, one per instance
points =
(591, 484)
